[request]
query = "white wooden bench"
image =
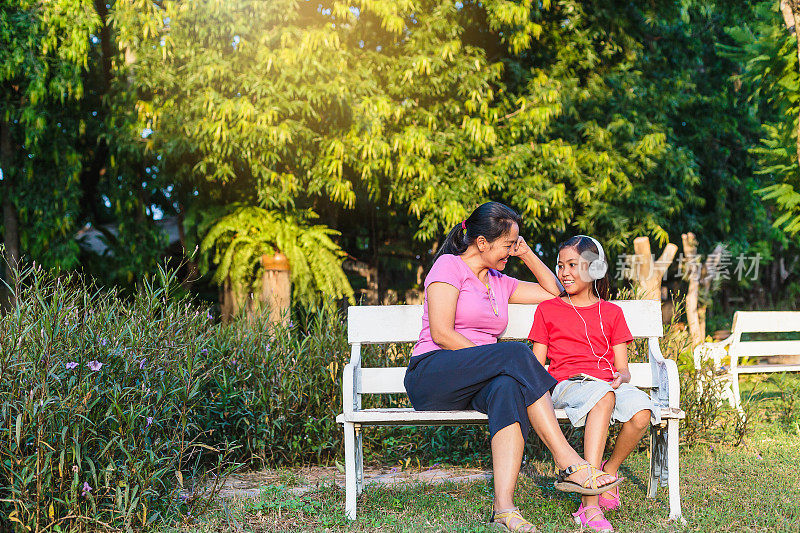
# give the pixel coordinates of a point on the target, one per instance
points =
(402, 323)
(735, 348)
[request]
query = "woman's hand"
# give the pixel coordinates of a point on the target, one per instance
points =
(533, 293)
(520, 248)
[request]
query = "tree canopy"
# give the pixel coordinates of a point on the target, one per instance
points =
(387, 122)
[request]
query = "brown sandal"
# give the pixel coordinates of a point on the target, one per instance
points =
(589, 486)
(521, 525)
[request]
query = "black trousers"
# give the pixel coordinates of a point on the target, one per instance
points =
(500, 379)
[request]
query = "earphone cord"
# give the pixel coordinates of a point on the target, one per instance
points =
(586, 330)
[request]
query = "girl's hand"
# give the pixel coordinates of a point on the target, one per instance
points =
(520, 248)
(620, 378)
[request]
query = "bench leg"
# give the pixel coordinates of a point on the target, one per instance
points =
(359, 461)
(736, 401)
(653, 480)
(673, 463)
(350, 470)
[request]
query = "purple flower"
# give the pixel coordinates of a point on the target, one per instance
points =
(141, 363)
(209, 315)
(149, 421)
(72, 365)
(86, 489)
(94, 366)
(103, 342)
(204, 351)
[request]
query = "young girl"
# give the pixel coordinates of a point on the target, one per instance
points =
(585, 338)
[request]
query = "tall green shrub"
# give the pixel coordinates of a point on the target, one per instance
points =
(110, 406)
(98, 405)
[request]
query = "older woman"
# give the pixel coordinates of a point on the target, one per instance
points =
(458, 363)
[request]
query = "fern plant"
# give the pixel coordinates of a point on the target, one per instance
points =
(767, 53)
(235, 243)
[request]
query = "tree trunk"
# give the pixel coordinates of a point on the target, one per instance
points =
(276, 293)
(276, 287)
(692, 264)
(10, 217)
(649, 274)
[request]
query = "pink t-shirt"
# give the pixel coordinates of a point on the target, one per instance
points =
(475, 318)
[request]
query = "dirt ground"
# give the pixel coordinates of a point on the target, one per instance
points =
(301, 480)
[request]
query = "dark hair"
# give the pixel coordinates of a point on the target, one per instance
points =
(582, 243)
(492, 220)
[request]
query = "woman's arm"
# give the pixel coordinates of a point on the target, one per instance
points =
(540, 351)
(622, 375)
(442, 298)
(533, 293)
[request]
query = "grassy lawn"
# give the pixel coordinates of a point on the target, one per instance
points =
(751, 487)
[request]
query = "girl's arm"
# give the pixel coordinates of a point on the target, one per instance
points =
(540, 351)
(622, 375)
(442, 298)
(533, 293)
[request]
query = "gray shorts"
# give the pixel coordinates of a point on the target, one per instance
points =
(577, 398)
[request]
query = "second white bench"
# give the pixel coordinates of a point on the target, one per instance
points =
(735, 348)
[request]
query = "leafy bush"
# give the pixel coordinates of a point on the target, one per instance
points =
(113, 403)
(277, 390)
(98, 414)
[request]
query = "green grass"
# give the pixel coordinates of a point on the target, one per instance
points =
(751, 487)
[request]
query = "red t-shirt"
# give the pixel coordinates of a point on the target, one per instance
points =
(557, 325)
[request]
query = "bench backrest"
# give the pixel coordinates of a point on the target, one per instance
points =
(383, 324)
(764, 322)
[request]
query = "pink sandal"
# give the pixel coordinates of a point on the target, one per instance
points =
(613, 503)
(598, 526)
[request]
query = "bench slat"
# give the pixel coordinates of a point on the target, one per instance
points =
(766, 348)
(408, 416)
(767, 368)
(766, 321)
(378, 324)
(390, 380)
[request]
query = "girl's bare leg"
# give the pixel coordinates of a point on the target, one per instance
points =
(629, 436)
(595, 435)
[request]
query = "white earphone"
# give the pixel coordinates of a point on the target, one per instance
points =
(597, 269)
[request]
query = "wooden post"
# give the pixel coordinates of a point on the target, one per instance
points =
(692, 272)
(701, 277)
(648, 274)
(276, 287)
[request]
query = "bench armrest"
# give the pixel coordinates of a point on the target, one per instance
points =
(350, 397)
(666, 383)
(351, 375)
(711, 350)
